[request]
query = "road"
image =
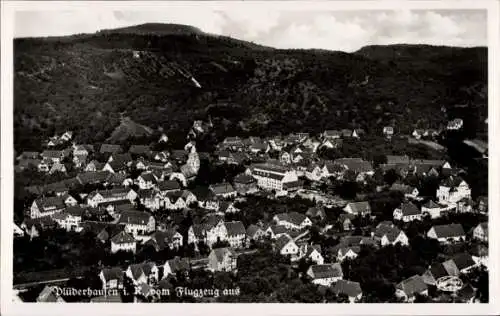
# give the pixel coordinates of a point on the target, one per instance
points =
(196, 264)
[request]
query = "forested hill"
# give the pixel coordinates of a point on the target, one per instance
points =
(167, 77)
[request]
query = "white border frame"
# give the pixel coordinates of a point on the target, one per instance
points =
(10, 308)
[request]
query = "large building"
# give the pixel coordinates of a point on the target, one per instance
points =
(274, 177)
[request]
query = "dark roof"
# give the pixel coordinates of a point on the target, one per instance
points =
(134, 217)
(355, 164)
(49, 203)
(323, 271)
(449, 230)
(350, 288)
(109, 148)
(412, 285)
(222, 188)
(148, 177)
(359, 207)
(438, 271)
(122, 238)
(235, 228)
(463, 260)
(244, 179)
(431, 204)
(282, 241)
(93, 177)
(252, 230)
(75, 210)
(139, 149)
(115, 273)
(392, 159)
(141, 268)
(292, 217)
(178, 264)
(220, 253)
(409, 209)
(391, 232)
(169, 185)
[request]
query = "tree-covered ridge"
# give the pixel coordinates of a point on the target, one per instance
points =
(86, 83)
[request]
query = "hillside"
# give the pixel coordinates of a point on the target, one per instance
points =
(162, 78)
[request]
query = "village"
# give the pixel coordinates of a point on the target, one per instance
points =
(278, 196)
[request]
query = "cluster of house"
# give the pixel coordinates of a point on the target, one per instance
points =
(112, 208)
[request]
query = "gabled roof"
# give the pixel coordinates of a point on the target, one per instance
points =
(122, 238)
(292, 217)
(323, 271)
(75, 210)
(134, 217)
(391, 232)
(463, 260)
(412, 285)
(282, 241)
(431, 204)
(244, 179)
(178, 264)
(49, 203)
(355, 164)
(221, 253)
(109, 148)
(162, 238)
(169, 185)
(222, 188)
(93, 177)
(235, 228)
(392, 159)
(148, 177)
(349, 288)
(141, 268)
(252, 230)
(359, 207)
(115, 273)
(449, 230)
(409, 209)
(52, 154)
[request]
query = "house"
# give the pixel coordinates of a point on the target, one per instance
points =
(482, 204)
(168, 186)
(69, 200)
(17, 231)
(312, 253)
(480, 232)
(228, 207)
(446, 233)
(57, 167)
(455, 124)
(245, 184)
(292, 220)
(103, 231)
(254, 232)
(434, 273)
(110, 149)
(452, 190)
(46, 206)
(137, 223)
(388, 234)
(50, 294)
(83, 150)
(346, 221)
(357, 165)
(123, 242)
(316, 212)
(331, 134)
(434, 209)
(358, 208)
(349, 288)
(112, 278)
(116, 166)
(417, 133)
(102, 196)
(146, 180)
(409, 288)
(146, 272)
(325, 274)
(94, 166)
(210, 230)
(222, 259)
(178, 200)
(331, 143)
(459, 263)
(285, 246)
(388, 131)
(407, 212)
(70, 219)
(314, 172)
(175, 265)
(274, 177)
(347, 252)
(276, 231)
(236, 234)
(479, 254)
(33, 227)
(407, 190)
(170, 239)
(223, 190)
(53, 155)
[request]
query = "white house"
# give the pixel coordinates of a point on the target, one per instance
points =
(351, 289)
(452, 190)
(123, 242)
(311, 252)
(287, 247)
(143, 273)
(325, 274)
(407, 212)
(137, 223)
(480, 232)
(433, 209)
(361, 208)
(274, 177)
(292, 220)
(97, 197)
(447, 233)
(112, 278)
(388, 234)
(46, 207)
(409, 288)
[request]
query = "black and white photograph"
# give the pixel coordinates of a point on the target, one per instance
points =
(239, 152)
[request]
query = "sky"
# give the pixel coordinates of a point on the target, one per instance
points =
(332, 30)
